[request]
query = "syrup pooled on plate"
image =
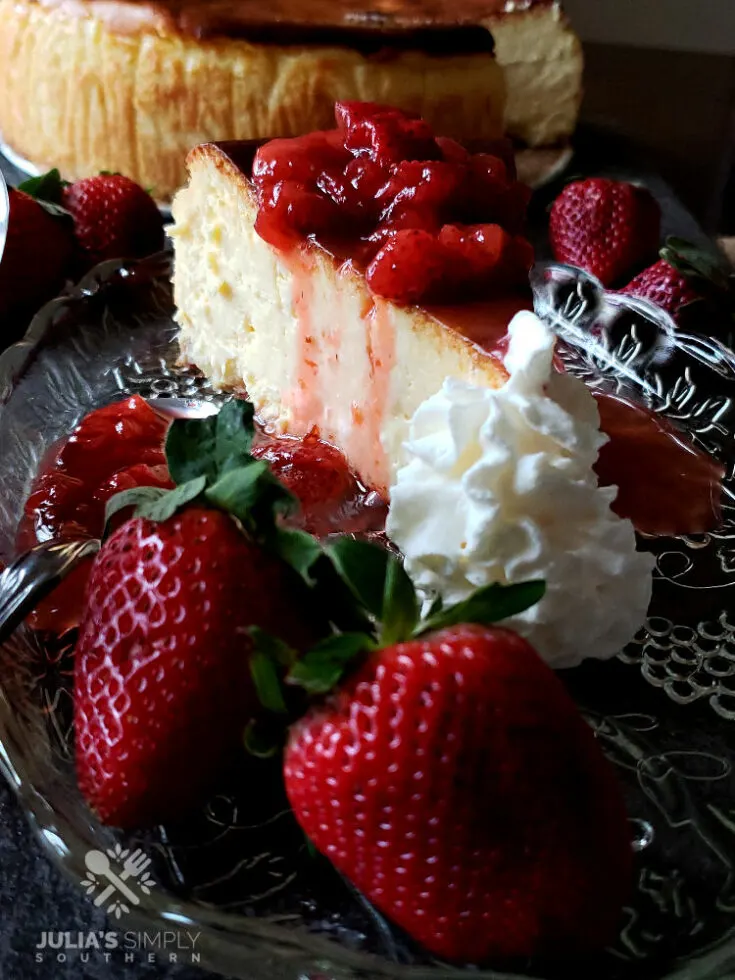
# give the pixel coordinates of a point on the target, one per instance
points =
(121, 446)
(665, 485)
(425, 219)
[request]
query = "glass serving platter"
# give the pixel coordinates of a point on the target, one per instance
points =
(239, 872)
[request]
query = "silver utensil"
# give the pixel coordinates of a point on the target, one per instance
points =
(36, 573)
(4, 212)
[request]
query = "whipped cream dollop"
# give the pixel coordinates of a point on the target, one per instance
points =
(499, 486)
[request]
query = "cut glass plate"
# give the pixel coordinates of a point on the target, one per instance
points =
(240, 872)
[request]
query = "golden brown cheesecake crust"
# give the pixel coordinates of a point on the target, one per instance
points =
(435, 26)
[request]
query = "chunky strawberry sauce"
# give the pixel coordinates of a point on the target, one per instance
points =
(122, 446)
(425, 219)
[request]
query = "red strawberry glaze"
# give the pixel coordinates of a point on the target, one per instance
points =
(665, 485)
(80, 473)
(425, 220)
(113, 448)
(121, 446)
(331, 496)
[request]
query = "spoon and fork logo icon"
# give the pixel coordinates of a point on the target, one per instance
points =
(120, 875)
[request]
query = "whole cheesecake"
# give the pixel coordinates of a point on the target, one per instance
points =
(122, 85)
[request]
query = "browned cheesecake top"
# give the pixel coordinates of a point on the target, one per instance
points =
(436, 26)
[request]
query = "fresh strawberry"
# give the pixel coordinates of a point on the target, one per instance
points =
(162, 678)
(665, 286)
(686, 282)
(607, 227)
(113, 218)
(162, 688)
(37, 255)
(452, 779)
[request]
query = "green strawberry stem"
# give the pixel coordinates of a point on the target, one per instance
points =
(47, 189)
(696, 264)
(368, 595)
(381, 586)
(211, 464)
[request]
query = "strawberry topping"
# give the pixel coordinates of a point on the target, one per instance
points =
(428, 221)
(331, 497)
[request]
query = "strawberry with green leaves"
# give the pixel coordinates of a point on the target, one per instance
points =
(437, 762)
(111, 216)
(446, 772)
(690, 284)
(162, 684)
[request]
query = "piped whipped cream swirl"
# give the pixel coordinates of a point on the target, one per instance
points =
(499, 486)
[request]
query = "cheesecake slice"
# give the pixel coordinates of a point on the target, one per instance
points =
(543, 65)
(302, 333)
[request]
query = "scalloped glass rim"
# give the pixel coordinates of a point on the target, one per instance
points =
(253, 947)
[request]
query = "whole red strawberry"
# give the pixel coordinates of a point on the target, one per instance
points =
(687, 282)
(38, 250)
(113, 217)
(163, 685)
(454, 782)
(665, 286)
(607, 227)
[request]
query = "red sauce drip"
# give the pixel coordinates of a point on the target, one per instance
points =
(665, 486)
(428, 221)
(121, 446)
